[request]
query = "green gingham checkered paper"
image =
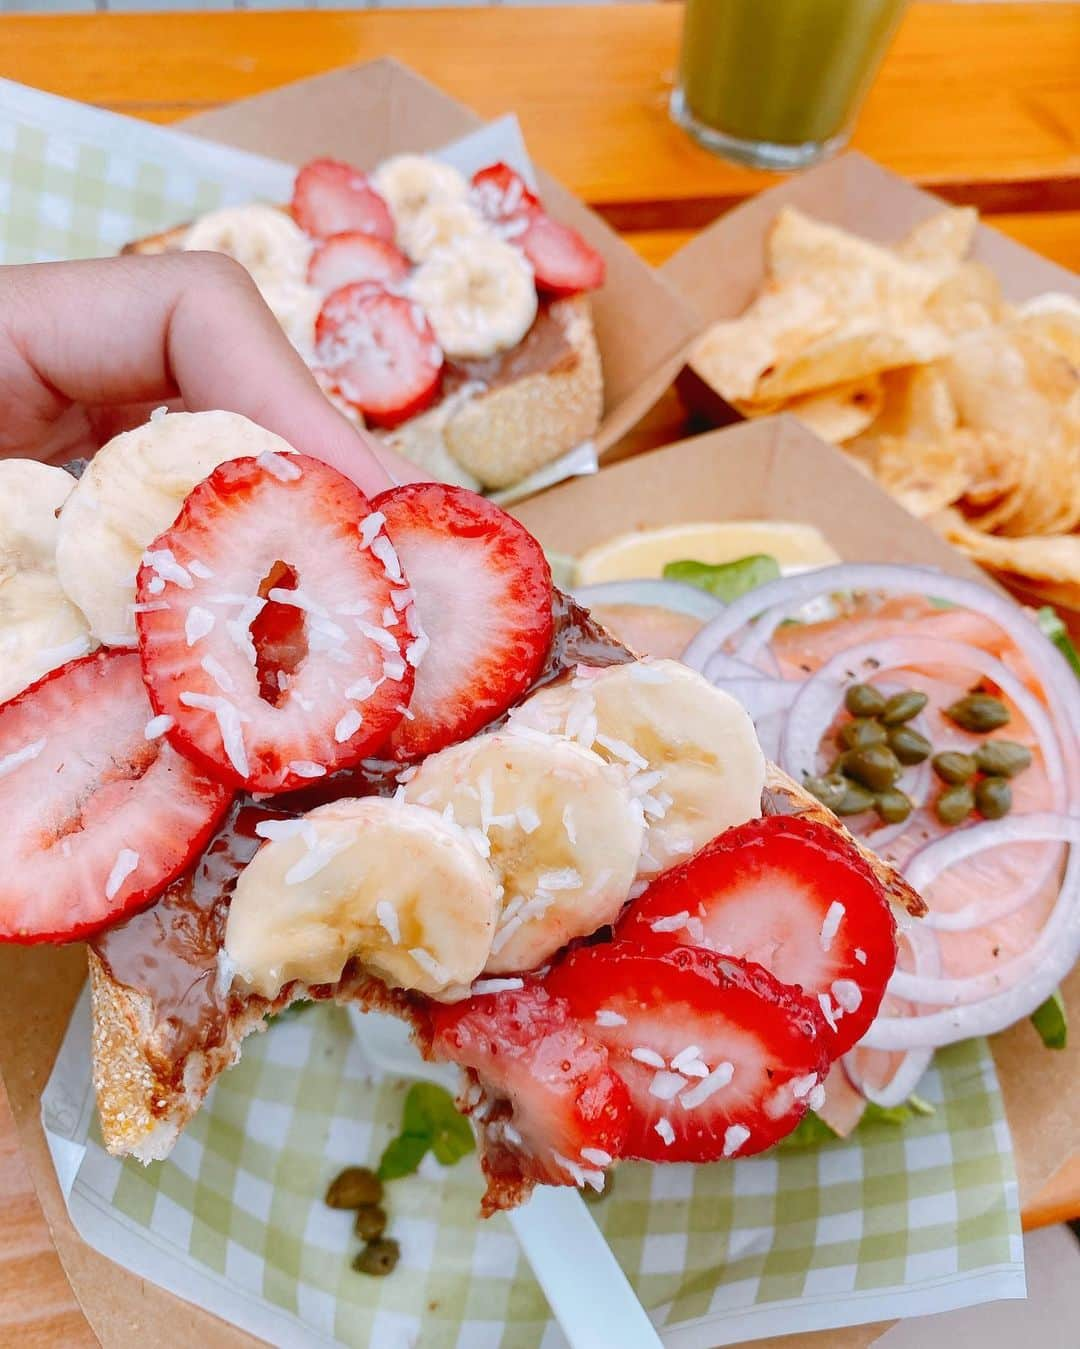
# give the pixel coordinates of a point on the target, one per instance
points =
(899, 1221)
(76, 182)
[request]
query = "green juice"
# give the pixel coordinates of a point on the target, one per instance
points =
(785, 72)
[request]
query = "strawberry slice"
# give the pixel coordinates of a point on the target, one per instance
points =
(562, 262)
(483, 594)
(552, 1111)
(719, 1058)
(356, 256)
(330, 197)
(100, 813)
(790, 894)
(379, 351)
(291, 531)
(500, 194)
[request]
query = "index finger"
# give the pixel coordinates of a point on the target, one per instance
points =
(135, 329)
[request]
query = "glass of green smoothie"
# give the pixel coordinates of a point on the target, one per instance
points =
(776, 84)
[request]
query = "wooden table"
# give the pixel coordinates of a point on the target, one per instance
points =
(980, 102)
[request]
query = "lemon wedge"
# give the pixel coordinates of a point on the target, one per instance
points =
(645, 553)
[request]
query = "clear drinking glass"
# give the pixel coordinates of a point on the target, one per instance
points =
(776, 84)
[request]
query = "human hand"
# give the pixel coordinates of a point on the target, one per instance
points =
(88, 348)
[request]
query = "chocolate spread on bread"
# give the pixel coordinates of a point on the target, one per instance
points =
(544, 350)
(169, 952)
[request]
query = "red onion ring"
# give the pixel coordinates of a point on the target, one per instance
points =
(762, 697)
(926, 956)
(722, 666)
(925, 865)
(899, 1087)
(981, 1005)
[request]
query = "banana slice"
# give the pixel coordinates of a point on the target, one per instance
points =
(131, 492)
(392, 885)
(440, 224)
(478, 294)
(275, 251)
(264, 240)
(410, 184)
(40, 628)
(562, 833)
(296, 306)
(690, 751)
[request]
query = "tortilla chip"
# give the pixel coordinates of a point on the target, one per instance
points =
(1054, 318)
(1003, 379)
(851, 272)
(1019, 488)
(998, 471)
(731, 355)
(916, 404)
(852, 352)
(964, 408)
(943, 237)
(925, 476)
(839, 413)
(968, 296)
(1054, 558)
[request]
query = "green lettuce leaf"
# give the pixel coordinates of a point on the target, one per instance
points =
(1051, 1021)
(429, 1123)
(726, 580)
(812, 1129)
(1052, 627)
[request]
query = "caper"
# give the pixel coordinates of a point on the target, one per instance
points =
(354, 1187)
(978, 712)
(1002, 758)
(855, 800)
(903, 706)
(370, 1221)
(876, 767)
(861, 732)
(993, 797)
(863, 700)
(955, 803)
(908, 745)
(893, 806)
(828, 790)
(953, 766)
(378, 1257)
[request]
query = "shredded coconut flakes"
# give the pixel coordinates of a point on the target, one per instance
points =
(126, 862)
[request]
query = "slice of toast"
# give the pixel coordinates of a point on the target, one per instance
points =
(165, 1024)
(494, 437)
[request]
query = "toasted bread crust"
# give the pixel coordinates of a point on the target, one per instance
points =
(144, 1100)
(784, 796)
